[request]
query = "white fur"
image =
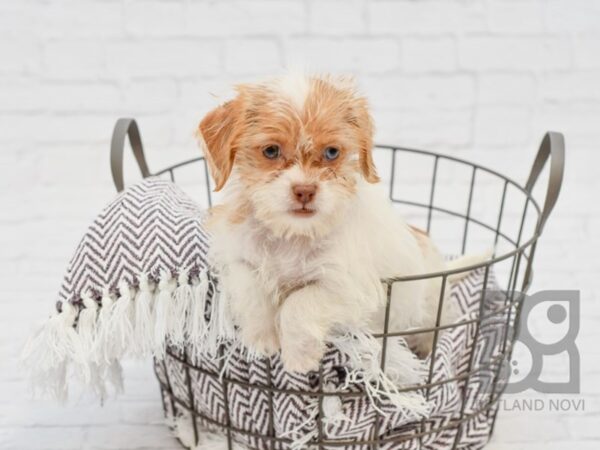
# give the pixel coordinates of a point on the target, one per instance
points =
(294, 87)
(294, 279)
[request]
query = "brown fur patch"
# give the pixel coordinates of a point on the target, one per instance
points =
(333, 115)
(233, 215)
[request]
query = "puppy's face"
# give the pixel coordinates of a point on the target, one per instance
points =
(291, 152)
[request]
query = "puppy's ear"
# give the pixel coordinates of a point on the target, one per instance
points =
(217, 134)
(367, 166)
(364, 125)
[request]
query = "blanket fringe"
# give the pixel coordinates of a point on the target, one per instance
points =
(402, 369)
(364, 354)
(92, 336)
(119, 327)
(149, 314)
(182, 301)
(103, 347)
(196, 326)
(87, 327)
(144, 304)
(162, 312)
(51, 348)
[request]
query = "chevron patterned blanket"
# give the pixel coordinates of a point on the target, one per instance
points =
(139, 285)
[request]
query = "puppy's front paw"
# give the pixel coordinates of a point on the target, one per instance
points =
(301, 350)
(301, 358)
(252, 309)
(303, 327)
(263, 340)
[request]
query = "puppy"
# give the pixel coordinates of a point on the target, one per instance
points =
(304, 235)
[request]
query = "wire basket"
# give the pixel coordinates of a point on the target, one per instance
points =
(464, 206)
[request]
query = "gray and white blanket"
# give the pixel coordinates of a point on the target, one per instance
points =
(139, 284)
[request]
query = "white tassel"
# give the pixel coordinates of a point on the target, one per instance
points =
(364, 353)
(225, 322)
(120, 327)
(87, 328)
(181, 305)
(213, 327)
(163, 300)
(144, 326)
(196, 323)
(47, 352)
(104, 345)
(220, 326)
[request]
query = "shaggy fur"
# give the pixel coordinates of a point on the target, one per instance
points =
(297, 266)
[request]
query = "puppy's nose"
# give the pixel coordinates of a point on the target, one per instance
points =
(304, 193)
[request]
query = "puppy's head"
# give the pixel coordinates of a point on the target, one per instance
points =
(291, 151)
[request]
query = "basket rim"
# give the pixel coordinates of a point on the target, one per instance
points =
(444, 274)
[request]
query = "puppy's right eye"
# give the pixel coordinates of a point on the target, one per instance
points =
(272, 152)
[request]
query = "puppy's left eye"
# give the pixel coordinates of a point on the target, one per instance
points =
(272, 152)
(331, 153)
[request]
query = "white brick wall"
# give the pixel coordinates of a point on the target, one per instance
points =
(478, 79)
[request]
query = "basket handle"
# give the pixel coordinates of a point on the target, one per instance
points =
(553, 148)
(126, 127)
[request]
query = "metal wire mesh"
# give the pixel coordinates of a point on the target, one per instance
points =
(494, 211)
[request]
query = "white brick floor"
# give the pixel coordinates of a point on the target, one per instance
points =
(477, 79)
